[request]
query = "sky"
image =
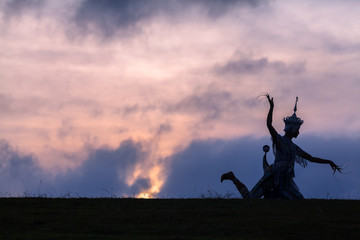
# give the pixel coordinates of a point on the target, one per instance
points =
(151, 98)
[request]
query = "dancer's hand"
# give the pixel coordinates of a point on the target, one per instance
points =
(271, 100)
(335, 167)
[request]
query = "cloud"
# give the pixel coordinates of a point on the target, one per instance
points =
(216, 8)
(197, 169)
(209, 104)
(109, 17)
(16, 8)
(66, 128)
(163, 129)
(19, 173)
(104, 172)
(32, 105)
(107, 170)
(258, 66)
(20, 107)
(135, 108)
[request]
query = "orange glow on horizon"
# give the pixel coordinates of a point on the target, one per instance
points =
(144, 195)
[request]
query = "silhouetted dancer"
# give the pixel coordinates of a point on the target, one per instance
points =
(277, 181)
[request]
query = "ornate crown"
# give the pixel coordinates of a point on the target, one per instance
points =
(293, 119)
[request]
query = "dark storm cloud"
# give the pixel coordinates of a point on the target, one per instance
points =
(19, 174)
(106, 171)
(255, 66)
(198, 168)
(108, 17)
(102, 174)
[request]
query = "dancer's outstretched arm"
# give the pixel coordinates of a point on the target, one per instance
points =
(321, 160)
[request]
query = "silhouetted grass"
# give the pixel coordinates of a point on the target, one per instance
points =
(84, 218)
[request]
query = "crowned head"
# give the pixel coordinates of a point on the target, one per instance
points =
(293, 123)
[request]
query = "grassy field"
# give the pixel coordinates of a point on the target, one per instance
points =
(46, 218)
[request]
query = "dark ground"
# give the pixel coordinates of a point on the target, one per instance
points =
(46, 218)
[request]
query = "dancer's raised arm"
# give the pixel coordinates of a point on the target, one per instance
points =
(272, 130)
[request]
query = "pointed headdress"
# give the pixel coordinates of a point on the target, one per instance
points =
(293, 123)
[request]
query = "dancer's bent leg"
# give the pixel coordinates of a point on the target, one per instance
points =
(243, 190)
